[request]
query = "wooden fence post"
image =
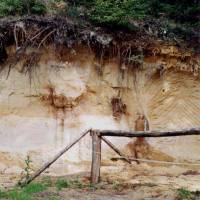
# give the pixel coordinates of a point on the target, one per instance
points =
(96, 157)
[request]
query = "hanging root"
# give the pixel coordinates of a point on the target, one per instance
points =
(19, 30)
(30, 64)
(3, 53)
(45, 38)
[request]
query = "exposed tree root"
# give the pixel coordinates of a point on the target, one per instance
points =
(33, 32)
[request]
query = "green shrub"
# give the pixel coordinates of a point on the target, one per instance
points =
(107, 12)
(11, 7)
(117, 11)
(21, 7)
(38, 7)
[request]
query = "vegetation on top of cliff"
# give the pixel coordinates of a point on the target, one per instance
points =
(123, 11)
(176, 18)
(109, 12)
(166, 19)
(22, 7)
(127, 29)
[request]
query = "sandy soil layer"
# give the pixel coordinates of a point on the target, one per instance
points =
(123, 181)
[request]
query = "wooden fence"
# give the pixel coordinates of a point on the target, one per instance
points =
(98, 136)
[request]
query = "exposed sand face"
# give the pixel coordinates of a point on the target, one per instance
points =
(67, 96)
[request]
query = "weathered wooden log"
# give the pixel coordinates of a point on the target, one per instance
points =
(158, 161)
(184, 132)
(49, 163)
(116, 150)
(96, 158)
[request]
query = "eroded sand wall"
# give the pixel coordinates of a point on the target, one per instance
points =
(39, 116)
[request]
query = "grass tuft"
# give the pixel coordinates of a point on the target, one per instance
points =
(2, 194)
(23, 193)
(185, 194)
(61, 183)
(34, 188)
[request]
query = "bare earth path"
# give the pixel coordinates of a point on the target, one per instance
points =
(121, 181)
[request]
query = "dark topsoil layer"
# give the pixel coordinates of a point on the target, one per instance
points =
(33, 31)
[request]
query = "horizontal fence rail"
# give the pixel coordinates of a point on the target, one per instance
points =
(116, 133)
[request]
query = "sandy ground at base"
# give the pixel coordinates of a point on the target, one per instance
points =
(124, 181)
